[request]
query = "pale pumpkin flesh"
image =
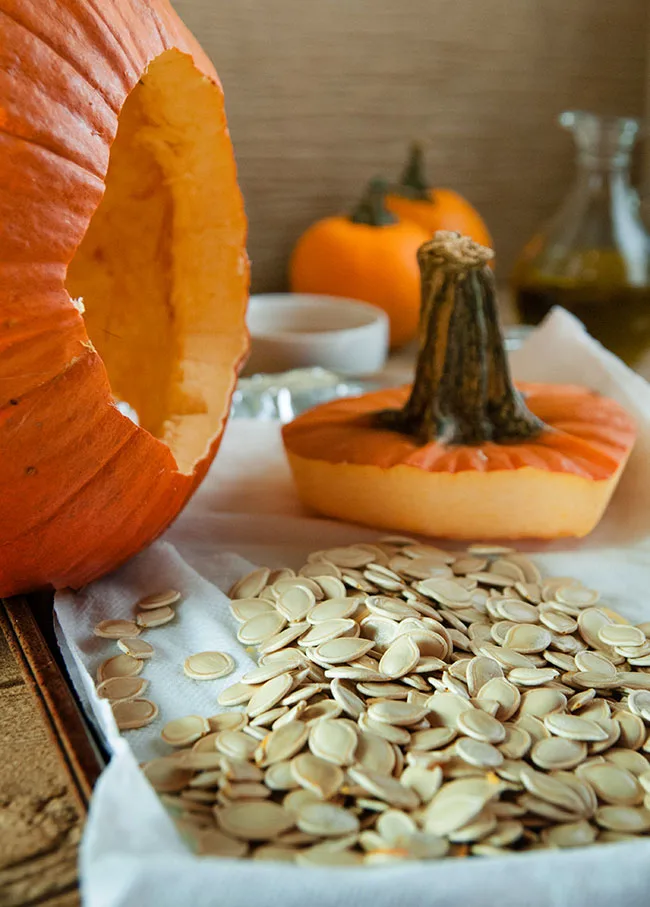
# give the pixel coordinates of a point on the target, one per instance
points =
(153, 267)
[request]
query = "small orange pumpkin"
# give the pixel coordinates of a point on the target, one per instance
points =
(369, 255)
(434, 209)
(462, 453)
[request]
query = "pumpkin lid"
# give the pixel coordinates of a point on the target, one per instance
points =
(463, 411)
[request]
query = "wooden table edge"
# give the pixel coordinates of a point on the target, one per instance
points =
(51, 692)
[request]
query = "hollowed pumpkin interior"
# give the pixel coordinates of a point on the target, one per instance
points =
(160, 270)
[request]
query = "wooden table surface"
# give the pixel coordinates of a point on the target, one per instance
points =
(40, 818)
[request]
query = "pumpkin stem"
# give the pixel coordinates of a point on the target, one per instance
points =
(371, 208)
(413, 182)
(462, 392)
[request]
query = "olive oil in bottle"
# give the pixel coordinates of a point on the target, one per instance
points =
(593, 257)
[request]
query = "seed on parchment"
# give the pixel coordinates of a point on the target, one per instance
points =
(397, 712)
(334, 741)
(155, 618)
(481, 726)
(166, 776)
(250, 585)
(261, 627)
(532, 677)
(342, 650)
(336, 608)
(623, 818)
(236, 694)
(158, 600)
(613, 784)
(183, 731)
(226, 721)
(254, 820)
(574, 727)
(119, 689)
(326, 820)
(118, 666)
(136, 648)
(457, 803)
(478, 753)
(569, 834)
(269, 694)
(130, 714)
(385, 788)
(208, 665)
(317, 775)
(621, 635)
(113, 629)
(236, 744)
(244, 609)
(554, 753)
(214, 843)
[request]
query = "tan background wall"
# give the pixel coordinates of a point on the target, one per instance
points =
(321, 94)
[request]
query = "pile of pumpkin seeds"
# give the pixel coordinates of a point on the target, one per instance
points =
(410, 704)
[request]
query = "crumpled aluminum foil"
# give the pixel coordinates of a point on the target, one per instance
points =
(285, 395)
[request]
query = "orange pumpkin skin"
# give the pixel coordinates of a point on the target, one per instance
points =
(446, 210)
(377, 264)
(555, 485)
(82, 488)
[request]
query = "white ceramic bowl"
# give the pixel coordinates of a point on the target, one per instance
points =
(299, 330)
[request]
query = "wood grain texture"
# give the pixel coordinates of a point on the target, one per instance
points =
(41, 803)
(320, 96)
(40, 823)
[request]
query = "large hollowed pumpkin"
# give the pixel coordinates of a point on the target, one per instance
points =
(463, 453)
(123, 279)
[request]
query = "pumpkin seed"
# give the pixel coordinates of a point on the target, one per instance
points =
(113, 629)
(326, 820)
(166, 776)
(158, 600)
(400, 657)
(246, 608)
(251, 585)
(136, 648)
(254, 820)
(334, 741)
(385, 788)
(208, 665)
(119, 689)
(269, 694)
(118, 666)
(558, 753)
(134, 713)
(236, 694)
(396, 712)
(481, 726)
(478, 753)
(573, 727)
(317, 775)
(259, 628)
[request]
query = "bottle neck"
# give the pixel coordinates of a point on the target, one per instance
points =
(596, 175)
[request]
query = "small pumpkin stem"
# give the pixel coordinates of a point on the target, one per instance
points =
(462, 392)
(371, 208)
(413, 182)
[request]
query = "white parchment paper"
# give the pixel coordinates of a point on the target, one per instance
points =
(247, 513)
